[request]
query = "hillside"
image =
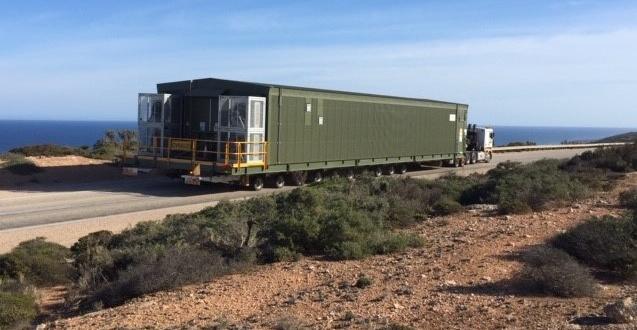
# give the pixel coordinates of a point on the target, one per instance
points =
(626, 137)
(460, 279)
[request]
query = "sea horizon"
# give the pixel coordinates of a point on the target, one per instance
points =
(21, 132)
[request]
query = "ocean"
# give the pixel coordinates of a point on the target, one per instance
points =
(16, 133)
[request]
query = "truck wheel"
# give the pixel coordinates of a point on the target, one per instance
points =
(317, 177)
(256, 182)
(279, 181)
(489, 157)
(402, 169)
(390, 170)
(298, 178)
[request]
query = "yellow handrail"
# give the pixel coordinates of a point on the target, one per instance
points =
(234, 154)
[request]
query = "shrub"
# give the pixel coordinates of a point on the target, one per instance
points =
(552, 271)
(39, 262)
(616, 159)
(17, 309)
(159, 270)
(47, 150)
(628, 199)
(532, 187)
(363, 281)
(608, 243)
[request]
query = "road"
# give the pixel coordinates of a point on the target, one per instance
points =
(64, 213)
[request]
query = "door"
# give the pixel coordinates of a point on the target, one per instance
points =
(256, 129)
(151, 111)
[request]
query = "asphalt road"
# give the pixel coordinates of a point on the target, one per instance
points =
(59, 204)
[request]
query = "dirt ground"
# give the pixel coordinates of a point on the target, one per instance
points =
(67, 169)
(459, 280)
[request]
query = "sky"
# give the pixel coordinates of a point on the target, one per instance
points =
(515, 62)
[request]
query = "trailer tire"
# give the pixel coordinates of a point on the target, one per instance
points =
(317, 177)
(279, 181)
(298, 178)
(349, 174)
(256, 182)
(402, 169)
(377, 171)
(390, 170)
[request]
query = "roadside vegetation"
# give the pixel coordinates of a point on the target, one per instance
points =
(111, 145)
(338, 219)
(520, 144)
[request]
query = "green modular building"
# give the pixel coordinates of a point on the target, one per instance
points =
(213, 128)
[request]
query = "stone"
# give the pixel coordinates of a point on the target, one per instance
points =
(623, 311)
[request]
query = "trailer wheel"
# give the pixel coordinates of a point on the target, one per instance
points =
(349, 174)
(317, 177)
(390, 170)
(378, 171)
(279, 181)
(298, 178)
(402, 169)
(256, 182)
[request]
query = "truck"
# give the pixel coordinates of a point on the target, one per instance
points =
(255, 134)
(480, 142)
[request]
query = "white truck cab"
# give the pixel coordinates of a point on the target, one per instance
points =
(480, 142)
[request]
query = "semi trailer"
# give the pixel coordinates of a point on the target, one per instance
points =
(216, 130)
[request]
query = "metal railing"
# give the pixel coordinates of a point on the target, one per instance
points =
(230, 154)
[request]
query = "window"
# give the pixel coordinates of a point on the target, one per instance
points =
(256, 114)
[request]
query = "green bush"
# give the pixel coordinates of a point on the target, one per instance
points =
(628, 199)
(552, 271)
(17, 309)
(532, 187)
(39, 262)
(616, 159)
(48, 150)
(363, 282)
(157, 270)
(607, 243)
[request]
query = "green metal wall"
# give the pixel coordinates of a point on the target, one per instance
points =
(359, 127)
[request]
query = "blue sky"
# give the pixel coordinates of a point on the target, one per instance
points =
(515, 62)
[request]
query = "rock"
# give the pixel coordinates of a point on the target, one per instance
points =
(486, 279)
(624, 311)
(508, 217)
(450, 283)
(398, 306)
